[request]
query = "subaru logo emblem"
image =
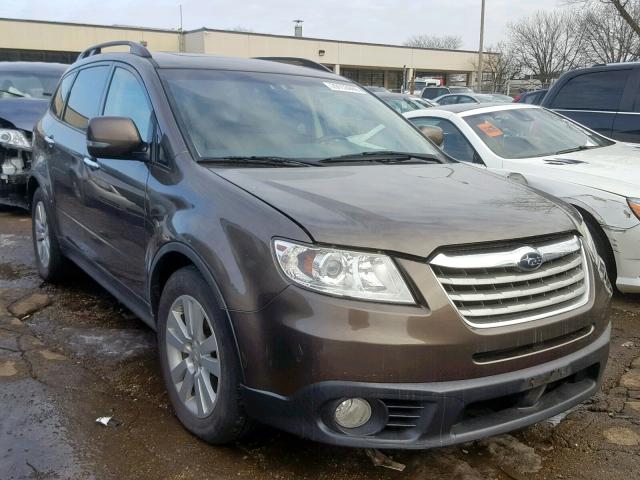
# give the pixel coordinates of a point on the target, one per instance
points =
(530, 260)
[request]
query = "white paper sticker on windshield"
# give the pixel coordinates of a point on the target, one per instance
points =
(344, 87)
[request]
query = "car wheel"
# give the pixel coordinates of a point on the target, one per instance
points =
(50, 261)
(199, 361)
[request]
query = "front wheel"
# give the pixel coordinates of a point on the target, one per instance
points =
(50, 261)
(199, 361)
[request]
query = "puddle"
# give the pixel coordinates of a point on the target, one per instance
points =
(109, 343)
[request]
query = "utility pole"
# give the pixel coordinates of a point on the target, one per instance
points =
(479, 79)
(181, 33)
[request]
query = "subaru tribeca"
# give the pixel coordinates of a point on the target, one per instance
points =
(308, 258)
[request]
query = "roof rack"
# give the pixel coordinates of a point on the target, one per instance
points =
(301, 62)
(134, 48)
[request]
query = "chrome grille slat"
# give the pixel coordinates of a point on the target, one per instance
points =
(515, 292)
(572, 263)
(489, 289)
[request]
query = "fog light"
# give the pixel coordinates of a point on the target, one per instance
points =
(352, 413)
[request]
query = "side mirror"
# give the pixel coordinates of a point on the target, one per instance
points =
(435, 134)
(113, 137)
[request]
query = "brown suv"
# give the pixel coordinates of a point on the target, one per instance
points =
(308, 259)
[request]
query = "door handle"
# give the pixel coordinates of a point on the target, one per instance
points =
(49, 140)
(92, 164)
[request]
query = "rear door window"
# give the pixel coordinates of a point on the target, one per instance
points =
(593, 91)
(84, 99)
(57, 105)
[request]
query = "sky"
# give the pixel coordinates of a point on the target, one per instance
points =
(376, 21)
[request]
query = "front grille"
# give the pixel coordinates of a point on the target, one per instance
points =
(489, 287)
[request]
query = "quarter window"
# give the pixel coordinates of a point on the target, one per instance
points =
(127, 98)
(57, 106)
(84, 99)
(593, 91)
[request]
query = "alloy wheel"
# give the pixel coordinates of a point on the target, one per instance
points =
(193, 355)
(43, 242)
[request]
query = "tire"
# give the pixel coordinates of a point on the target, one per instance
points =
(603, 247)
(51, 263)
(221, 420)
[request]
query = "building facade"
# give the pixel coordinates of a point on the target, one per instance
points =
(366, 63)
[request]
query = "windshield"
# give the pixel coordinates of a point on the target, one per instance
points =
(531, 132)
(28, 84)
(242, 114)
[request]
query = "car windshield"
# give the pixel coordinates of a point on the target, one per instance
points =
(16, 84)
(531, 132)
(245, 114)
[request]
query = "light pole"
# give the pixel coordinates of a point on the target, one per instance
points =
(480, 49)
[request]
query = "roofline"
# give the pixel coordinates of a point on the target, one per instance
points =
(206, 29)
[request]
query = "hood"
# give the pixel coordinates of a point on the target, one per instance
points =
(22, 113)
(614, 169)
(411, 209)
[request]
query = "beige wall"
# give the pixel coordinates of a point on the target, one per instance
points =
(33, 35)
(343, 53)
(75, 38)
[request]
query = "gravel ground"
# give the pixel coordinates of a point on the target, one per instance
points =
(81, 355)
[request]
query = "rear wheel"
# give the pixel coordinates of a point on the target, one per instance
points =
(50, 261)
(198, 358)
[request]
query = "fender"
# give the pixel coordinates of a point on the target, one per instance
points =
(191, 254)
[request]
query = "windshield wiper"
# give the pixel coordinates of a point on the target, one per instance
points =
(13, 93)
(271, 161)
(383, 156)
(575, 149)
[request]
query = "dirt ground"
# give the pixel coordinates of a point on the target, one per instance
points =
(81, 355)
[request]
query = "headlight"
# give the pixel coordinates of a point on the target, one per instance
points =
(361, 275)
(634, 205)
(14, 139)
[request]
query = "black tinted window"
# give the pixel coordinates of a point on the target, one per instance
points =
(127, 98)
(593, 91)
(61, 95)
(84, 99)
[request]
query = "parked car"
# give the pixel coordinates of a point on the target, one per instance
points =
(605, 98)
(534, 97)
(499, 97)
(25, 91)
(596, 175)
(454, 98)
(402, 102)
(308, 258)
(432, 92)
(375, 89)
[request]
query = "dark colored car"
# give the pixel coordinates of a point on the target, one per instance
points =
(433, 92)
(308, 258)
(605, 98)
(25, 92)
(534, 97)
(456, 98)
(402, 102)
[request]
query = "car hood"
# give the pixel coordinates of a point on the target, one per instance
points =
(22, 113)
(411, 209)
(615, 168)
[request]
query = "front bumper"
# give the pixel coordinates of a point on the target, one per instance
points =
(426, 415)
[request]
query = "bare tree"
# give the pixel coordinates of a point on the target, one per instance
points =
(548, 43)
(446, 42)
(627, 9)
(503, 64)
(241, 29)
(607, 36)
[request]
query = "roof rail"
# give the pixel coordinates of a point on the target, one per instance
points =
(134, 48)
(299, 61)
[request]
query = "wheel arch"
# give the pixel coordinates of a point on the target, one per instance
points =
(170, 258)
(596, 223)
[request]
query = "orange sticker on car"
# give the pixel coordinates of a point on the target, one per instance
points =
(490, 129)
